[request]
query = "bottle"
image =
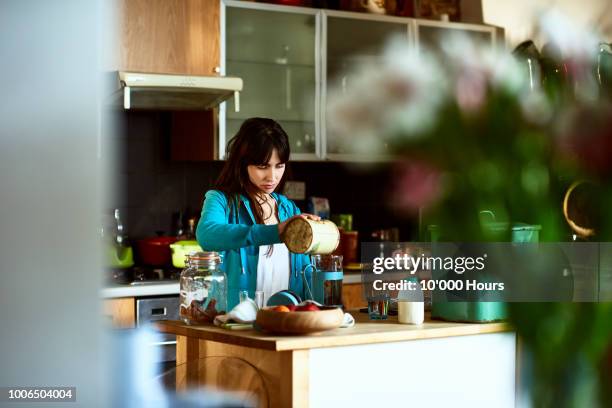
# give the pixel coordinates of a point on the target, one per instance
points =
(203, 288)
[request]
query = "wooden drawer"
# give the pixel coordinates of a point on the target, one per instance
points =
(121, 311)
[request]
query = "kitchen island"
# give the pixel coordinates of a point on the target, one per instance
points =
(435, 364)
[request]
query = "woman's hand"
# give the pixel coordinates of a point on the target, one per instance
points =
(283, 225)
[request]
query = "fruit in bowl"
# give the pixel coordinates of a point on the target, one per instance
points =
(308, 307)
(300, 322)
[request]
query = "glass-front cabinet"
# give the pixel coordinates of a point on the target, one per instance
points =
(275, 51)
(431, 33)
(350, 38)
(290, 57)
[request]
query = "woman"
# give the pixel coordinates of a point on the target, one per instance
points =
(244, 216)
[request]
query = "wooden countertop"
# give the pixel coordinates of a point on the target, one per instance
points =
(365, 331)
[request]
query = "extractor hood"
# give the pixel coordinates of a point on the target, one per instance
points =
(176, 92)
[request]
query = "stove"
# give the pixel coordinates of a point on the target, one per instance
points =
(143, 275)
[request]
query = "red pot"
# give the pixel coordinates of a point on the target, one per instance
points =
(155, 251)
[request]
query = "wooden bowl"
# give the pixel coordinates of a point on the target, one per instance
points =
(299, 322)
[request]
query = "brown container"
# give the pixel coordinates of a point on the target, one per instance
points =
(350, 246)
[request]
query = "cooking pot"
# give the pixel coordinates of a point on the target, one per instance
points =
(155, 251)
(118, 256)
(180, 251)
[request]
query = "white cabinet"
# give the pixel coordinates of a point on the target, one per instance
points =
(289, 57)
(430, 32)
(275, 50)
(348, 39)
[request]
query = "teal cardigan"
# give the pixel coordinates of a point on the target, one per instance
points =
(230, 228)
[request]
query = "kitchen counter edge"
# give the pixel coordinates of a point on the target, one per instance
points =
(155, 289)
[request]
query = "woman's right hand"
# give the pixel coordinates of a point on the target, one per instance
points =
(283, 225)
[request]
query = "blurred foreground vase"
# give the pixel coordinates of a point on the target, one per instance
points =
(568, 354)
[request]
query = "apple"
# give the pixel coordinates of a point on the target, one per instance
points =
(292, 307)
(281, 308)
(309, 307)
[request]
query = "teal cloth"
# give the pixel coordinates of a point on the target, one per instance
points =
(230, 228)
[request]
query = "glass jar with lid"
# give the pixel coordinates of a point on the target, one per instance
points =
(203, 288)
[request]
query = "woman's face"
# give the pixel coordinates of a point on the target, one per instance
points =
(267, 176)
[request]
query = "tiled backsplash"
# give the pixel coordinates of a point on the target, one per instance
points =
(149, 187)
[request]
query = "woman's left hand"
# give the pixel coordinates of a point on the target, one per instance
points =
(282, 225)
(310, 216)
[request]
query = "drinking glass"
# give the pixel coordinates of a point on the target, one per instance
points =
(378, 306)
(259, 299)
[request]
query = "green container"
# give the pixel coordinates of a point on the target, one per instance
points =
(118, 256)
(181, 250)
(475, 311)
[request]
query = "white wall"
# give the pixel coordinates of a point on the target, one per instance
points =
(517, 16)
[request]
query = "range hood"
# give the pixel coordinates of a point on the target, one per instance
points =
(176, 92)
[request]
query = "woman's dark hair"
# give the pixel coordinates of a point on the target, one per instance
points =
(252, 145)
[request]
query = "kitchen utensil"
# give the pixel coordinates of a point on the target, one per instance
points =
(299, 322)
(312, 237)
(290, 2)
(319, 206)
(350, 246)
(475, 310)
(326, 280)
(284, 297)
(375, 6)
(118, 256)
(386, 235)
(527, 53)
(555, 78)
(404, 8)
(155, 251)
(343, 221)
(580, 209)
(181, 249)
(259, 299)
(604, 68)
(118, 253)
(437, 9)
(243, 295)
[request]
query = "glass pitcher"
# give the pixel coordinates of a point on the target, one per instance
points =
(327, 278)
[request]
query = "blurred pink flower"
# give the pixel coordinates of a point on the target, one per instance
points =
(471, 90)
(416, 184)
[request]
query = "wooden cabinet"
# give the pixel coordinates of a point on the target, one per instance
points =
(121, 312)
(169, 36)
(175, 37)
